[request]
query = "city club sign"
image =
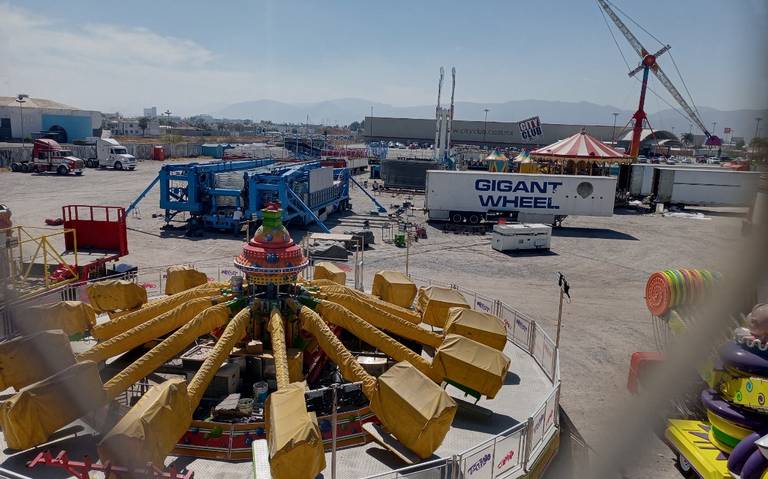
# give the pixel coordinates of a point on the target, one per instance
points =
(530, 128)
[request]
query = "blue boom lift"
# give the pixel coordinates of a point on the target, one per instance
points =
(212, 193)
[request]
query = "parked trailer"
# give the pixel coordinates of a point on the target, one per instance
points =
(354, 165)
(641, 182)
(223, 195)
(704, 187)
(472, 196)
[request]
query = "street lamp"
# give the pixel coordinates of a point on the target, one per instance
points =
(614, 128)
(714, 124)
(485, 123)
(757, 126)
(21, 98)
(371, 122)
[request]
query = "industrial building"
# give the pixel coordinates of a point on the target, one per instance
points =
(493, 133)
(38, 117)
(504, 134)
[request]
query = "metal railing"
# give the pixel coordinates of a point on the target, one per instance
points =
(517, 449)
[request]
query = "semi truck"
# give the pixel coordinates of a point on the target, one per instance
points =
(110, 153)
(49, 156)
(474, 196)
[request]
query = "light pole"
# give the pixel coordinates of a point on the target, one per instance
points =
(371, 122)
(21, 98)
(614, 127)
(714, 124)
(757, 126)
(485, 123)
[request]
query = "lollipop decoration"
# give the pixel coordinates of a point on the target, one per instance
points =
(672, 288)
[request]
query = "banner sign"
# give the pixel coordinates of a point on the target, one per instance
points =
(530, 128)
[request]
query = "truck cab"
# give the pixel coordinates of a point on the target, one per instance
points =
(110, 153)
(49, 156)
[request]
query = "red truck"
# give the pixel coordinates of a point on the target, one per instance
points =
(49, 156)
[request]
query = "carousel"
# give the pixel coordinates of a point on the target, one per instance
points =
(580, 154)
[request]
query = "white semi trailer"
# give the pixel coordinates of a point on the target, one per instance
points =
(473, 196)
(704, 187)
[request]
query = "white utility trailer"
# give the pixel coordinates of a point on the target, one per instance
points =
(521, 236)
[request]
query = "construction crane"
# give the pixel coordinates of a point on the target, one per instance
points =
(649, 64)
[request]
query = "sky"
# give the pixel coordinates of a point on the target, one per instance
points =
(198, 56)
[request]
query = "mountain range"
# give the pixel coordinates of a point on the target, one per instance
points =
(346, 110)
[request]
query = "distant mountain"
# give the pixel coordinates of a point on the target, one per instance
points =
(346, 110)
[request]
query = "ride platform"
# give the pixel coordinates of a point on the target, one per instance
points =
(695, 452)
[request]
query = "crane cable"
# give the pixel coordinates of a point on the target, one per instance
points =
(613, 36)
(690, 97)
(618, 47)
(636, 24)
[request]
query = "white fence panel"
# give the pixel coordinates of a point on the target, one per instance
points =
(518, 326)
(550, 410)
(508, 454)
(484, 304)
(537, 429)
(479, 465)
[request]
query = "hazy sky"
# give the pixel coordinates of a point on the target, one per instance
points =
(195, 56)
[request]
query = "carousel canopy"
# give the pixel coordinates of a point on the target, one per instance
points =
(580, 146)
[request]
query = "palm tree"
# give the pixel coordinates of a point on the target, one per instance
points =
(143, 124)
(687, 138)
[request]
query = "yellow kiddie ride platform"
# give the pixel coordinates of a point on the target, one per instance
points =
(695, 453)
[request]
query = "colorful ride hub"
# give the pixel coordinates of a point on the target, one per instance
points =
(271, 256)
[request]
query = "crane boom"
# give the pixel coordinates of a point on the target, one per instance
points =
(623, 28)
(664, 80)
(648, 63)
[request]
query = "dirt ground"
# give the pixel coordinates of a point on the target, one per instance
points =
(606, 260)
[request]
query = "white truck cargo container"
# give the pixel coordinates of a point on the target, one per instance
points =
(472, 196)
(704, 187)
(110, 153)
(641, 180)
(521, 236)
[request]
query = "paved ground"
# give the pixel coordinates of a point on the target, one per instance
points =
(607, 261)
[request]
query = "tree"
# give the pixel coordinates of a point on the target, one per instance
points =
(143, 124)
(759, 149)
(354, 126)
(687, 138)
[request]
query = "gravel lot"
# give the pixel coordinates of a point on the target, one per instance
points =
(606, 260)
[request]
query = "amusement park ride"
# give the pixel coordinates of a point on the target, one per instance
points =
(317, 320)
(648, 64)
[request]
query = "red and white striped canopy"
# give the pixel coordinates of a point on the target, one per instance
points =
(580, 146)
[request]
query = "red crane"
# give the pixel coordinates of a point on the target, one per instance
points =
(648, 64)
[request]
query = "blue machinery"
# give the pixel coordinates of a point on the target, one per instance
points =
(212, 192)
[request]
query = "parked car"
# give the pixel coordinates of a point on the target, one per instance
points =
(642, 159)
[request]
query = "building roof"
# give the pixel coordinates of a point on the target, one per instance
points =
(35, 103)
(653, 134)
(580, 146)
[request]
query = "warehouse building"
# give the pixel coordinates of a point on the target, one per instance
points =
(492, 133)
(38, 117)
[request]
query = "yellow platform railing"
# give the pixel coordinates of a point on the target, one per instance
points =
(15, 244)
